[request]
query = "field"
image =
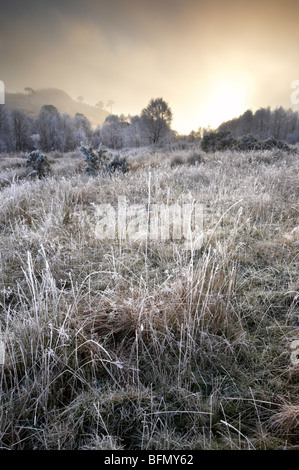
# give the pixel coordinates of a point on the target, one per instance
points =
(126, 345)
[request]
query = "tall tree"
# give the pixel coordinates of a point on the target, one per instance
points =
(83, 130)
(48, 127)
(21, 129)
(6, 144)
(156, 119)
(113, 131)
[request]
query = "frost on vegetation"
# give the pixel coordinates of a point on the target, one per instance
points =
(39, 163)
(118, 164)
(224, 140)
(92, 159)
(98, 161)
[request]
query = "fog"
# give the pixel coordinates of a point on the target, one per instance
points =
(210, 60)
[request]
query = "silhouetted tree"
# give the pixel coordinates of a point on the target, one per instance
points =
(156, 119)
(110, 104)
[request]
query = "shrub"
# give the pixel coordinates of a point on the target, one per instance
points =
(118, 164)
(99, 161)
(195, 159)
(176, 161)
(248, 142)
(214, 141)
(102, 154)
(38, 162)
(222, 141)
(272, 143)
(95, 160)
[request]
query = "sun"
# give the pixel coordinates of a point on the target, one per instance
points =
(214, 101)
(226, 100)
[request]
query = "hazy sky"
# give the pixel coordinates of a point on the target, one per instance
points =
(209, 59)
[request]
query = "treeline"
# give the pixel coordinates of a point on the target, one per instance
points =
(51, 130)
(280, 123)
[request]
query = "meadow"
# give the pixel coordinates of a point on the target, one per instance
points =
(126, 345)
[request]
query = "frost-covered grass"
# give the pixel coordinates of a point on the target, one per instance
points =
(128, 346)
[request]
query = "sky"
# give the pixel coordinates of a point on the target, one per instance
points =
(209, 59)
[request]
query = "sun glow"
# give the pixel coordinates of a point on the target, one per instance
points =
(228, 99)
(211, 103)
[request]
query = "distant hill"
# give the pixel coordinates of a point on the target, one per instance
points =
(32, 103)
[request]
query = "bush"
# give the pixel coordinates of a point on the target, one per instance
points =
(221, 141)
(272, 143)
(248, 142)
(176, 161)
(118, 164)
(214, 141)
(195, 159)
(99, 161)
(95, 160)
(39, 163)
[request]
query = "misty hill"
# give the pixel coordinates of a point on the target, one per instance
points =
(32, 103)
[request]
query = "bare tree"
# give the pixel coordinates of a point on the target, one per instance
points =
(48, 127)
(21, 129)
